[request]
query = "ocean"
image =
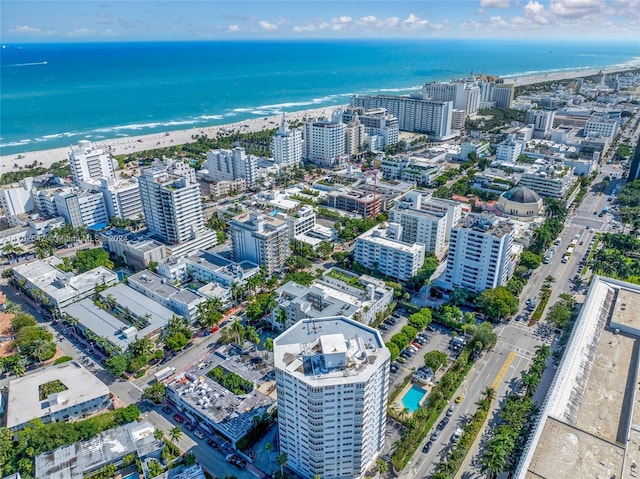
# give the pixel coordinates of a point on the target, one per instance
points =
(53, 95)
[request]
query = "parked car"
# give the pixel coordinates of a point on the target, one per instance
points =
(178, 418)
(450, 411)
(459, 398)
(166, 409)
(199, 434)
(427, 447)
(189, 426)
(435, 435)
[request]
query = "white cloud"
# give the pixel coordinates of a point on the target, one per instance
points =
(234, 28)
(535, 12)
(575, 8)
(414, 22)
(80, 32)
(26, 30)
(269, 27)
(495, 3)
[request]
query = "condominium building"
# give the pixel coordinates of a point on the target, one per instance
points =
(478, 148)
(122, 198)
(229, 165)
(423, 200)
(82, 208)
(45, 200)
(503, 95)
(301, 222)
(377, 124)
(549, 180)
(332, 379)
(542, 121)
(138, 251)
(338, 292)
(382, 249)
(480, 254)
(287, 145)
(421, 227)
(88, 163)
(634, 164)
(260, 240)
(509, 150)
(325, 142)
(172, 205)
(416, 112)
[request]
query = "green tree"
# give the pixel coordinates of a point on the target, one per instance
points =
(155, 393)
(117, 365)
(460, 296)
(497, 303)
(92, 258)
(382, 465)
(530, 260)
(435, 360)
(158, 434)
(175, 433)
(484, 336)
(282, 460)
(176, 341)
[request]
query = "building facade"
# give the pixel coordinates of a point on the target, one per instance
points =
(260, 240)
(325, 142)
(332, 379)
(381, 248)
(229, 165)
(480, 254)
(82, 208)
(89, 163)
(377, 123)
(172, 206)
(122, 198)
(287, 145)
(416, 113)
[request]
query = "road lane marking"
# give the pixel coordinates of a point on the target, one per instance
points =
(503, 370)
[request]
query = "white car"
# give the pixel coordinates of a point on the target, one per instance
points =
(198, 434)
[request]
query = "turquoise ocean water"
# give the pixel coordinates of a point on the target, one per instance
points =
(55, 95)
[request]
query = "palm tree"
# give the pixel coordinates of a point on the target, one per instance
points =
(282, 460)
(238, 330)
(382, 465)
(158, 434)
(175, 433)
(268, 447)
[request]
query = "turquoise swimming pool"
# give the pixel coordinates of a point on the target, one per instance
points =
(411, 400)
(132, 476)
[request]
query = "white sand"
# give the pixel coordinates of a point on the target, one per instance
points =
(179, 137)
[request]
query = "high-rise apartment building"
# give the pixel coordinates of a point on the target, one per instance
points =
(421, 227)
(416, 112)
(122, 198)
(228, 165)
(509, 150)
(260, 240)
(88, 163)
(480, 254)
(503, 95)
(634, 164)
(464, 93)
(381, 248)
(287, 145)
(172, 205)
(332, 379)
(325, 142)
(354, 136)
(82, 208)
(542, 121)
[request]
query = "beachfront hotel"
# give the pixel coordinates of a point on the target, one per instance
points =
(325, 142)
(230, 165)
(287, 145)
(332, 379)
(89, 163)
(416, 113)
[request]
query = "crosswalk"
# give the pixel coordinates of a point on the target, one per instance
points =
(519, 351)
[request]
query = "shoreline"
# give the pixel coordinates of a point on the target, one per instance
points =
(134, 144)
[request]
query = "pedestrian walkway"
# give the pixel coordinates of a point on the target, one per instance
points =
(516, 350)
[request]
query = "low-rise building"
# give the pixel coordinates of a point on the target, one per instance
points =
(183, 302)
(215, 408)
(136, 250)
(337, 292)
(79, 394)
(381, 248)
(83, 459)
(59, 289)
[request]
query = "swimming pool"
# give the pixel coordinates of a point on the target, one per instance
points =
(133, 475)
(411, 400)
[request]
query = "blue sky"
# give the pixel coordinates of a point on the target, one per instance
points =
(25, 21)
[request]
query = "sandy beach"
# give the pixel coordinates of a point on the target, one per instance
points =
(133, 144)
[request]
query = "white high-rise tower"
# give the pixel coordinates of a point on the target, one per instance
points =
(287, 145)
(332, 378)
(88, 163)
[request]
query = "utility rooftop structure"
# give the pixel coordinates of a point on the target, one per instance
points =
(332, 376)
(588, 421)
(80, 459)
(83, 394)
